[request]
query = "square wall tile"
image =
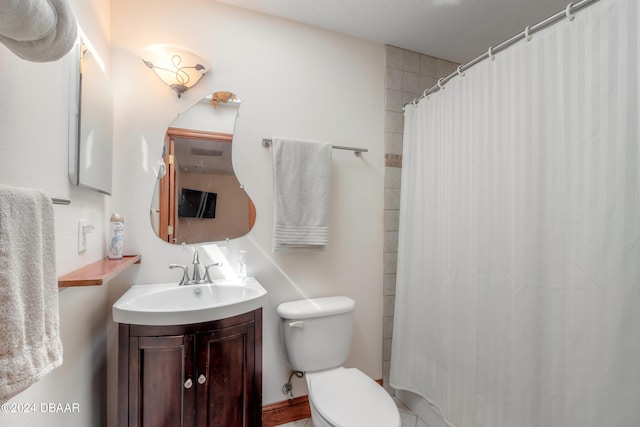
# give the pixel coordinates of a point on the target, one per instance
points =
(394, 79)
(390, 261)
(410, 82)
(393, 143)
(408, 97)
(394, 101)
(428, 66)
(386, 374)
(394, 122)
(411, 61)
(392, 198)
(386, 350)
(387, 329)
(391, 241)
(394, 57)
(391, 219)
(388, 306)
(444, 67)
(389, 284)
(427, 82)
(392, 177)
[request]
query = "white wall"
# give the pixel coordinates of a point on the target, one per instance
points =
(294, 81)
(202, 117)
(33, 136)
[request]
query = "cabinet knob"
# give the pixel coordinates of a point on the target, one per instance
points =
(188, 383)
(202, 379)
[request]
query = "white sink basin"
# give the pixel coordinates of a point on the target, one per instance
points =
(170, 304)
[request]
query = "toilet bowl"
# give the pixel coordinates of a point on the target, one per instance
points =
(349, 398)
(317, 338)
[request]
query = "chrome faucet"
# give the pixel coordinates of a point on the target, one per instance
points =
(196, 277)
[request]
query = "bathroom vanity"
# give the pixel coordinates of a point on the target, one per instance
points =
(202, 374)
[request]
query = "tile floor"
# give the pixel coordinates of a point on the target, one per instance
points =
(407, 417)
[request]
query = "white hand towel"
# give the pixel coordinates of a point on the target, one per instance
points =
(30, 345)
(37, 30)
(301, 185)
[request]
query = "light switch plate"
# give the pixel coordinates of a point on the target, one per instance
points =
(82, 236)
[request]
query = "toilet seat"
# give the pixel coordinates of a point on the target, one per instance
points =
(349, 398)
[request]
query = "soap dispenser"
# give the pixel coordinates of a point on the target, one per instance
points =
(242, 265)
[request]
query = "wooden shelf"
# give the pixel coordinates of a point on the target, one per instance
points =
(97, 273)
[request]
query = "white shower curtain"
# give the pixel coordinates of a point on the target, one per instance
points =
(518, 286)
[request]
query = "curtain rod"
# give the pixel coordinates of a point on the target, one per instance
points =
(357, 151)
(526, 34)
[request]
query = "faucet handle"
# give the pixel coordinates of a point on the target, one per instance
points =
(196, 258)
(185, 274)
(207, 278)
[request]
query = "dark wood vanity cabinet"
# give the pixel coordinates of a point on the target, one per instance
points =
(206, 374)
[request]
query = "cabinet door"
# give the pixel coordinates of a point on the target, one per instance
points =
(161, 383)
(225, 367)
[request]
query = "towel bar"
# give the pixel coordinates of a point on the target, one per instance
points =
(57, 201)
(266, 143)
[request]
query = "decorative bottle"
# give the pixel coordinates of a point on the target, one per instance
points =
(116, 241)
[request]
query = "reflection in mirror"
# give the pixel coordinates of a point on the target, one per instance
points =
(91, 151)
(197, 197)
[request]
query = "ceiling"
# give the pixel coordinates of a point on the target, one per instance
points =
(456, 30)
(203, 156)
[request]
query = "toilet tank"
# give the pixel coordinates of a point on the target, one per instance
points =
(317, 332)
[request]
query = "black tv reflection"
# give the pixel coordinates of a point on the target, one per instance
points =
(197, 204)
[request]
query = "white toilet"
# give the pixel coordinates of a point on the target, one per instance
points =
(317, 338)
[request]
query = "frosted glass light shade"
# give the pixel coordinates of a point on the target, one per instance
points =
(178, 67)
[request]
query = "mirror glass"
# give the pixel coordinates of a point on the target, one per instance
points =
(197, 197)
(91, 144)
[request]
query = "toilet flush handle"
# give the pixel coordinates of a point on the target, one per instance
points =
(298, 324)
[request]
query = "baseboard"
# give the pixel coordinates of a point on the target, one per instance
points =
(287, 411)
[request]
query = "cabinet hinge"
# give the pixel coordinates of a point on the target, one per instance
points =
(171, 159)
(170, 230)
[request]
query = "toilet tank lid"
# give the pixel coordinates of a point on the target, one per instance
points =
(316, 307)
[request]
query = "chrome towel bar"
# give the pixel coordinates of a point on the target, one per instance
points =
(266, 143)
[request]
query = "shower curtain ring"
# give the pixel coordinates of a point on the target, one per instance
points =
(440, 85)
(459, 71)
(491, 55)
(527, 36)
(567, 11)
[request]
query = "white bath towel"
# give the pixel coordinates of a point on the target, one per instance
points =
(301, 181)
(30, 345)
(37, 30)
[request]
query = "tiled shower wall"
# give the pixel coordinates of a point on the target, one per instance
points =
(408, 74)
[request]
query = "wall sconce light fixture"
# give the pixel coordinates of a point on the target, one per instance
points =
(176, 66)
